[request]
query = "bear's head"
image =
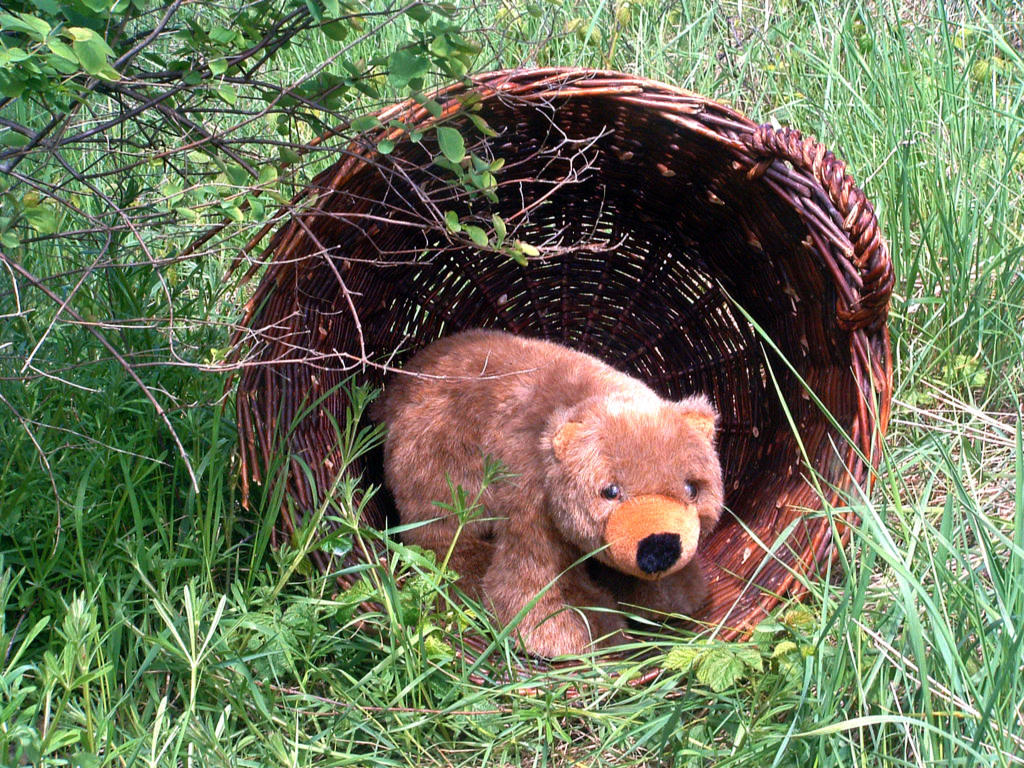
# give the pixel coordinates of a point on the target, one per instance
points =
(635, 477)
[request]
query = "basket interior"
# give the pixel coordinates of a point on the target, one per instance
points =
(659, 253)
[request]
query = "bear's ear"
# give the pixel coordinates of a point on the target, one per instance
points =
(564, 436)
(702, 415)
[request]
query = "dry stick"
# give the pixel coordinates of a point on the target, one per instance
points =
(52, 191)
(325, 253)
(56, 317)
(145, 103)
(149, 101)
(16, 127)
(63, 119)
(23, 152)
(122, 117)
(138, 236)
(18, 311)
(302, 150)
(37, 283)
(173, 114)
(153, 33)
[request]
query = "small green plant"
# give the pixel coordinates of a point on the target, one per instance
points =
(778, 647)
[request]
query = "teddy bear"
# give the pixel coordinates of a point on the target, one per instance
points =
(607, 489)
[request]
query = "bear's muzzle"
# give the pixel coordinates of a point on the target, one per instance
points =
(651, 536)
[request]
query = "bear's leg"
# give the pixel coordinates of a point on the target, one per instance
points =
(684, 592)
(522, 568)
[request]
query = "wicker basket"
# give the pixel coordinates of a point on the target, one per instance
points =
(678, 241)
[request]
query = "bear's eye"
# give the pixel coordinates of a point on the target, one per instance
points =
(690, 489)
(611, 492)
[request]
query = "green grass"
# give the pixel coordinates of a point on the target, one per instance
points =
(149, 623)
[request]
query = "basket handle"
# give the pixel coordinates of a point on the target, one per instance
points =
(870, 254)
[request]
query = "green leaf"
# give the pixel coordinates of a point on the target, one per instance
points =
(108, 73)
(218, 66)
(42, 219)
(386, 147)
(9, 240)
(10, 86)
(682, 658)
(85, 760)
(34, 27)
(500, 230)
(63, 66)
(784, 648)
(481, 125)
(236, 174)
(172, 191)
(405, 66)
(799, 618)
(63, 50)
(13, 139)
(451, 143)
(476, 234)
(464, 44)
(750, 656)
(222, 35)
(365, 123)
(439, 47)
(233, 212)
(433, 107)
(720, 669)
(527, 249)
(91, 49)
(335, 30)
(268, 174)
(451, 220)
(436, 648)
(227, 93)
(80, 34)
(420, 12)
(14, 55)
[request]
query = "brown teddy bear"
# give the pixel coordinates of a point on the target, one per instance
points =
(599, 464)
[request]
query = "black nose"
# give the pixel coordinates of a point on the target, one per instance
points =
(658, 552)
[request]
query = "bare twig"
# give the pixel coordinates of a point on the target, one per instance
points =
(38, 284)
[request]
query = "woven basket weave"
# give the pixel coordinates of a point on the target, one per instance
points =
(679, 241)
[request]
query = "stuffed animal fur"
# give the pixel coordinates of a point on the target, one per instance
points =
(599, 464)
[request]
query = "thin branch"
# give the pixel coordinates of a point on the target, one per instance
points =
(122, 62)
(34, 281)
